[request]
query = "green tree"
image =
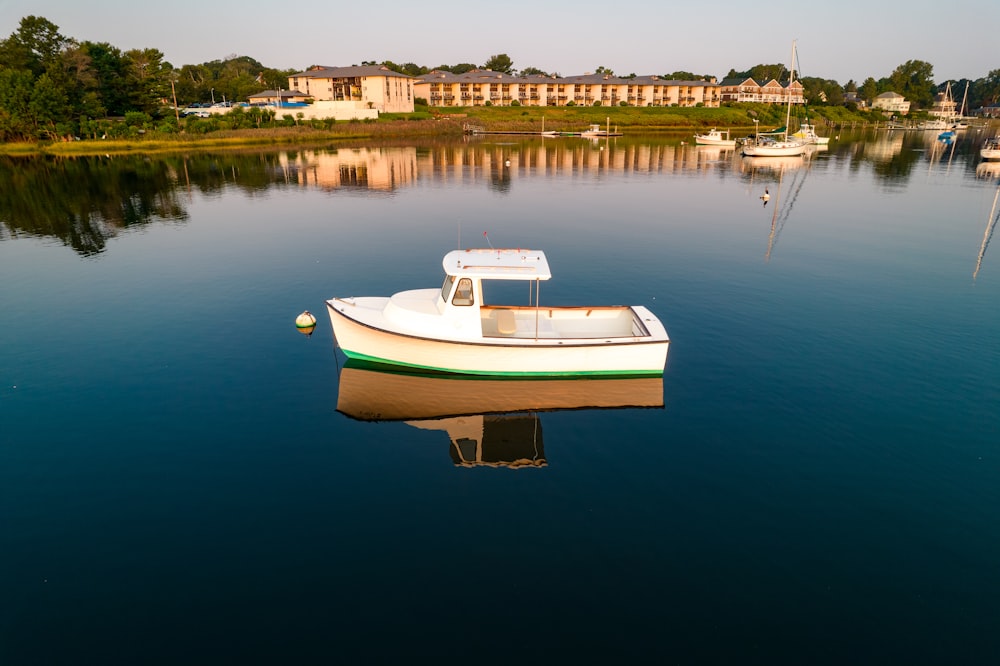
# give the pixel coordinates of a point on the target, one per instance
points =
(533, 71)
(33, 46)
(988, 89)
(108, 67)
(500, 63)
(49, 108)
(914, 80)
(15, 100)
(868, 90)
(147, 79)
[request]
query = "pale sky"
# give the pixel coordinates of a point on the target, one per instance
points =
(850, 39)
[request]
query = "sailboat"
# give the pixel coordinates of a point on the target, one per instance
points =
(768, 145)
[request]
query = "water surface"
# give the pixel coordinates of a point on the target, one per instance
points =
(815, 480)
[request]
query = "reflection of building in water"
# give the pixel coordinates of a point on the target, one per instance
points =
(370, 168)
(884, 148)
(389, 168)
(490, 421)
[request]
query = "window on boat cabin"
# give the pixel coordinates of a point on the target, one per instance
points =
(463, 293)
(507, 292)
(449, 280)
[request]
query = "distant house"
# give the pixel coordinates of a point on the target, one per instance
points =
(890, 103)
(366, 86)
(943, 106)
(852, 97)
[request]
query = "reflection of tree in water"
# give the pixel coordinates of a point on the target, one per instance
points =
(897, 168)
(85, 201)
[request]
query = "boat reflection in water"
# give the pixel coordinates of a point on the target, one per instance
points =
(988, 170)
(490, 421)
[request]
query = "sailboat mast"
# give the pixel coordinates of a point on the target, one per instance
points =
(791, 78)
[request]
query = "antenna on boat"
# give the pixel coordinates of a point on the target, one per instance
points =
(487, 240)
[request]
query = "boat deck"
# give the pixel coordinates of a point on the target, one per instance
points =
(561, 323)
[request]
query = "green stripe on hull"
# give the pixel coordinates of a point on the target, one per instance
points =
(452, 371)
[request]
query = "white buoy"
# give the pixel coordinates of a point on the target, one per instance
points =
(305, 322)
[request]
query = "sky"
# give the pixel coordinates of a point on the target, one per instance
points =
(850, 39)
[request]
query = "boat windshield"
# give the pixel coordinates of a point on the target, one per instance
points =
(449, 280)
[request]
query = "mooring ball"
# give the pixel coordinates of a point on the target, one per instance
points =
(305, 320)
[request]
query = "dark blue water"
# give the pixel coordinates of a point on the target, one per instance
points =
(820, 486)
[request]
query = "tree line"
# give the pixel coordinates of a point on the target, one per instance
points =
(53, 86)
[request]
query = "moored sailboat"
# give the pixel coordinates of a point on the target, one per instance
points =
(778, 143)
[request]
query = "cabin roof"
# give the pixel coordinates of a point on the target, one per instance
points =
(498, 264)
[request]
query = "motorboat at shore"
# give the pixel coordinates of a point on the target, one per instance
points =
(453, 329)
(715, 137)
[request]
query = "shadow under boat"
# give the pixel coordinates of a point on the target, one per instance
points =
(490, 421)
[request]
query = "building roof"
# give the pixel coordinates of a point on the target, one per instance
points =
(889, 95)
(738, 81)
(489, 76)
(277, 93)
(354, 71)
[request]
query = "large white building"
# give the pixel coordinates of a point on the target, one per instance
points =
(489, 88)
(365, 87)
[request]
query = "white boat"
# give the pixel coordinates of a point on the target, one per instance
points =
(777, 144)
(808, 134)
(453, 329)
(991, 149)
(937, 125)
(766, 145)
(715, 137)
(595, 131)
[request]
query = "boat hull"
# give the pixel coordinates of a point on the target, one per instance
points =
(779, 149)
(627, 356)
(723, 143)
(990, 153)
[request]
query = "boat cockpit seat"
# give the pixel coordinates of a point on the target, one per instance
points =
(506, 323)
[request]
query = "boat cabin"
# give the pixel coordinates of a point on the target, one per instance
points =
(463, 300)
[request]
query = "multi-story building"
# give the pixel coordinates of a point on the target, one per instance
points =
(485, 87)
(372, 86)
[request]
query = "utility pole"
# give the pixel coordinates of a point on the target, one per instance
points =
(177, 114)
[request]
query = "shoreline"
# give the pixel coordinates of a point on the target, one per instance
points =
(509, 120)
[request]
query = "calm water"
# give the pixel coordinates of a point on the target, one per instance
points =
(820, 483)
